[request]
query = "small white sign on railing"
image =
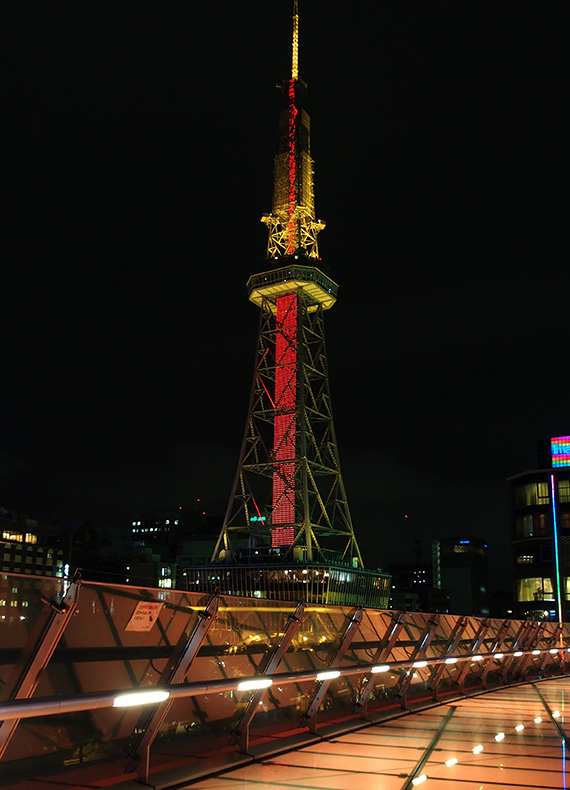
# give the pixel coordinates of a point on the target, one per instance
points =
(145, 616)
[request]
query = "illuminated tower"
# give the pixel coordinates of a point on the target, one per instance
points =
(288, 515)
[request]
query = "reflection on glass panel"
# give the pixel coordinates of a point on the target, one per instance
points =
(536, 588)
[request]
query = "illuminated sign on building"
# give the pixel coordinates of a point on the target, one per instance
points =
(560, 450)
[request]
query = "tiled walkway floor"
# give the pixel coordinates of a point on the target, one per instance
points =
(391, 756)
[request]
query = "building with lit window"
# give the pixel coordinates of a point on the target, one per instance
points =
(29, 547)
(164, 542)
(539, 502)
(412, 589)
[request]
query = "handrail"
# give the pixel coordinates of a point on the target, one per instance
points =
(72, 703)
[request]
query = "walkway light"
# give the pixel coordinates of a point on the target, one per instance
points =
(477, 749)
(139, 698)
(556, 714)
(500, 736)
(331, 674)
(538, 720)
(419, 779)
(519, 727)
(258, 683)
(451, 761)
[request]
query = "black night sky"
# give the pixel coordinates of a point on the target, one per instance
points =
(139, 161)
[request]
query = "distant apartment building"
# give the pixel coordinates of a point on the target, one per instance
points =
(412, 589)
(29, 547)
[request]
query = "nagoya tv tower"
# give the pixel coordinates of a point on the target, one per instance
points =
(287, 531)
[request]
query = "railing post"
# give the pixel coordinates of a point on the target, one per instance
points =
(36, 653)
(347, 638)
(175, 672)
(418, 654)
(548, 655)
(532, 637)
(382, 655)
(242, 729)
(503, 628)
(509, 660)
(454, 640)
(475, 648)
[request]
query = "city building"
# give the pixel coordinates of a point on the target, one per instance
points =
(31, 548)
(165, 542)
(460, 566)
(539, 502)
(412, 589)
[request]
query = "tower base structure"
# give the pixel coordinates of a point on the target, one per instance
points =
(314, 583)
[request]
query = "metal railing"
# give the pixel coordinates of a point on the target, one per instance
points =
(120, 676)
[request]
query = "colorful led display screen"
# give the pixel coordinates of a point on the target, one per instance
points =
(560, 450)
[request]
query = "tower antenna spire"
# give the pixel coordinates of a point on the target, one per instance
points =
(295, 59)
(292, 223)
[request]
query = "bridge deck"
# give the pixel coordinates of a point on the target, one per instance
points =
(389, 756)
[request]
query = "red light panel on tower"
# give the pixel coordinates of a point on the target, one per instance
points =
(285, 424)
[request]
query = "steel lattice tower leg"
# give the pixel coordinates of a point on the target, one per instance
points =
(288, 491)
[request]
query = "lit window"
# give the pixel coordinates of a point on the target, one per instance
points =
(525, 559)
(564, 490)
(535, 493)
(15, 536)
(536, 588)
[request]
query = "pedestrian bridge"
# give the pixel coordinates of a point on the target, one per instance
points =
(125, 687)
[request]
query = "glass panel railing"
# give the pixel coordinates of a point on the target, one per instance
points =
(124, 638)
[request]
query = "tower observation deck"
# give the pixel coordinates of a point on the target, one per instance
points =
(287, 531)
